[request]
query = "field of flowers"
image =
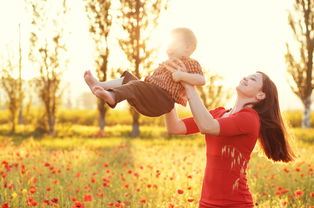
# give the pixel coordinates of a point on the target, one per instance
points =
(159, 171)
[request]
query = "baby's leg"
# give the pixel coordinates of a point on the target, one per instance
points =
(125, 78)
(92, 82)
(107, 96)
(111, 83)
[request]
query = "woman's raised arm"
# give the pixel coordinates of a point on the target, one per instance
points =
(204, 120)
(174, 124)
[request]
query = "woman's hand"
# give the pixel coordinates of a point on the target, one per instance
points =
(174, 65)
(176, 76)
(187, 86)
(180, 73)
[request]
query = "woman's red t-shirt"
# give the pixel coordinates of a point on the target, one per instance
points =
(225, 183)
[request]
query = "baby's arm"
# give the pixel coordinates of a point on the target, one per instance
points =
(181, 74)
(192, 79)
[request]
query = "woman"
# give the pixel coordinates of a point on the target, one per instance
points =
(231, 136)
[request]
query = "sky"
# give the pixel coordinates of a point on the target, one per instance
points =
(236, 38)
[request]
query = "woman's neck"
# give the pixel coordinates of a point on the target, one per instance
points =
(240, 102)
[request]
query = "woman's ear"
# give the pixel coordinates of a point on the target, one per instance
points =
(260, 95)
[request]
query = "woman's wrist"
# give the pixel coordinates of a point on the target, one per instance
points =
(181, 75)
(190, 92)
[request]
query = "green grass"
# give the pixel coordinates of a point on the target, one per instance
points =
(123, 117)
(142, 172)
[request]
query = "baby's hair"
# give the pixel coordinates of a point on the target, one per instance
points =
(188, 36)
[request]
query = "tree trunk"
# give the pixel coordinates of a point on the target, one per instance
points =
(13, 126)
(101, 115)
(136, 124)
(51, 124)
(307, 113)
(20, 120)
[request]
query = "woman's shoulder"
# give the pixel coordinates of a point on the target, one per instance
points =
(219, 108)
(249, 114)
(249, 110)
(216, 112)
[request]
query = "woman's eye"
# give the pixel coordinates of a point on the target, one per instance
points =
(253, 79)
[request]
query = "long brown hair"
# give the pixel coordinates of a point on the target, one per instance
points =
(273, 135)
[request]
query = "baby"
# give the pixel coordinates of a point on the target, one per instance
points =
(157, 94)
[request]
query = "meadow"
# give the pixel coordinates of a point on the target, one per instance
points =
(76, 169)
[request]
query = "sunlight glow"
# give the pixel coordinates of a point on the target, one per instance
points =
(235, 38)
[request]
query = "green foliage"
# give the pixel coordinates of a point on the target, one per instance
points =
(47, 54)
(113, 117)
(123, 117)
(307, 137)
(12, 88)
(213, 93)
(294, 118)
(300, 61)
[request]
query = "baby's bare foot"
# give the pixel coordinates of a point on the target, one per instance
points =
(104, 94)
(90, 80)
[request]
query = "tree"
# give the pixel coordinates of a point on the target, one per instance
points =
(139, 18)
(213, 93)
(100, 18)
(11, 84)
(20, 118)
(47, 53)
(301, 21)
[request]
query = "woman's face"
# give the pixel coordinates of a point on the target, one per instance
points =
(251, 87)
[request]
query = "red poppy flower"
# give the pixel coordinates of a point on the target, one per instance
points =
(32, 190)
(278, 192)
(78, 205)
(47, 202)
(54, 200)
(299, 193)
(143, 201)
(117, 204)
(88, 198)
(190, 200)
(180, 191)
(171, 205)
(34, 203)
(5, 205)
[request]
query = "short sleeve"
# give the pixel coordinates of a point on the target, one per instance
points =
(243, 122)
(192, 127)
(193, 67)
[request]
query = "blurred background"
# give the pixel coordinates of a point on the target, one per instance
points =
(47, 45)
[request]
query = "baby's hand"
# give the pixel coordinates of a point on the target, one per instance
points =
(176, 76)
(174, 64)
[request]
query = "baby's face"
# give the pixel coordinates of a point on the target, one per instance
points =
(177, 46)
